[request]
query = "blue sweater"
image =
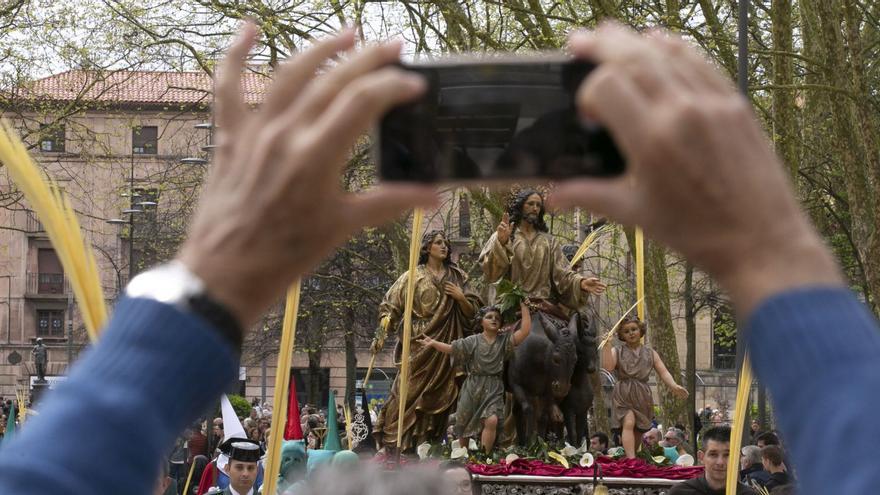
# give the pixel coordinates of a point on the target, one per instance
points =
(155, 369)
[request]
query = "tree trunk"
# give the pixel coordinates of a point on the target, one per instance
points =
(315, 398)
(852, 146)
(785, 128)
(662, 333)
(690, 319)
(600, 412)
(350, 360)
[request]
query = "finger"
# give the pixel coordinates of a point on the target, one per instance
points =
(360, 105)
(615, 101)
(385, 203)
(228, 104)
(295, 73)
(612, 196)
(610, 43)
(691, 64)
(323, 90)
(505, 218)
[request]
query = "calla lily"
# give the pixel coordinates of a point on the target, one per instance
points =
(685, 460)
(472, 444)
(510, 458)
(423, 449)
(458, 453)
(586, 460)
(558, 458)
(568, 451)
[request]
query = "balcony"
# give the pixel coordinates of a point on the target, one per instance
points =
(47, 284)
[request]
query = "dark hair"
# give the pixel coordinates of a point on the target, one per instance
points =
(427, 239)
(481, 313)
(717, 433)
(514, 208)
(768, 437)
(643, 327)
(772, 453)
(603, 438)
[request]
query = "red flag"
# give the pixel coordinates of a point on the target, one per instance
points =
(293, 429)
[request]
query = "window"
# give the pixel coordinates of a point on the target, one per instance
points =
(50, 274)
(50, 323)
(145, 140)
(51, 138)
(464, 216)
(724, 339)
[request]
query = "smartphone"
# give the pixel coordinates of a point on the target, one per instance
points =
(492, 119)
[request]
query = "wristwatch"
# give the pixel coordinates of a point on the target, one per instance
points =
(173, 283)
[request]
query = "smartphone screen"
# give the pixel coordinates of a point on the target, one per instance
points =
(488, 120)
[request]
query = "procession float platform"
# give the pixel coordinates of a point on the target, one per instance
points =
(535, 477)
(518, 484)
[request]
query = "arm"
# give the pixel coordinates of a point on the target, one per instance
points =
(457, 293)
(782, 279)
(389, 312)
(439, 346)
(667, 378)
(525, 326)
(128, 397)
(265, 218)
(495, 257)
(609, 357)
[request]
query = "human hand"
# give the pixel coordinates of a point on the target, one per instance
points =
(680, 392)
(426, 341)
(504, 229)
(454, 291)
(376, 345)
(701, 176)
(593, 285)
(273, 207)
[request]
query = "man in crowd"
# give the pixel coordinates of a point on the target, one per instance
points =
(242, 468)
(751, 467)
(701, 177)
(772, 459)
(599, 442)
(766, 438)
(713, 456)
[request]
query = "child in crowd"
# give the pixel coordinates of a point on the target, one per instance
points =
(481, 400)
(633, 405)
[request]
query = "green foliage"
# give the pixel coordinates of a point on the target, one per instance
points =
(509, 297)
(241, 405)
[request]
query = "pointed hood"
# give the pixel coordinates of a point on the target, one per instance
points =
(331, 440)
(293, 430)
(10, 424)
(231, 425)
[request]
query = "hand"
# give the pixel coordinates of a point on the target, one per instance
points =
(504, 229)
(680, 392)
(454, 291)
(593, 285)
(273, 207)
(701, 176)
(376, 345)
(426, 341)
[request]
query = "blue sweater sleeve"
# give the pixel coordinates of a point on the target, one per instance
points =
(817, 352)
(104, 430)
